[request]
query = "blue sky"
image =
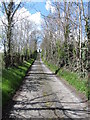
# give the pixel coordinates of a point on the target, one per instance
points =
(34, 7)
(37, 6)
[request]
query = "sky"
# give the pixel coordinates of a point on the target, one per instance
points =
(36, 9)
(42, 7)
(32, 10)
(38, 6)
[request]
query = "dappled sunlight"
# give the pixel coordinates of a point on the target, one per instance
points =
(41, 95)
(44, 63)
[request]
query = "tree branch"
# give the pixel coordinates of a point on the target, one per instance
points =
(15, 10)
(5, 8)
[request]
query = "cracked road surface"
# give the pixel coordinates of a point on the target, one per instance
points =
(43, 95)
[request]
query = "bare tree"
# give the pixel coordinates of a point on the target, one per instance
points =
(64, 33)
(10, 10)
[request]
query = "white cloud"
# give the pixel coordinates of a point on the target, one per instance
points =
(24, 13)
(49, 6)
(36, 18)
(17, 1)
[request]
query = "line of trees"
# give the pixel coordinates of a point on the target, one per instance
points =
(66, 36)
(18, 34)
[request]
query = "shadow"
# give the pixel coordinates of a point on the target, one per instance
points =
(32, 73)
(57, 71)
(60, 66)
(50, 108)
(65, 110)
(31, 102)
(28, 102)
(32, 83)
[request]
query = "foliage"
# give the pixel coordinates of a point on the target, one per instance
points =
(19, 34)
(66, 37)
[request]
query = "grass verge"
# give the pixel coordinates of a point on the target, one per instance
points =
(72, 78)
(12, 78)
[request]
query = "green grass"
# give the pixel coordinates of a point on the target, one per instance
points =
(52, 67)
(12, 78)
(72, 78)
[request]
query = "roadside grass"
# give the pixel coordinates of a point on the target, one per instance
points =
(52, 67)
(73, 78)
(12, 78)
(80, 84)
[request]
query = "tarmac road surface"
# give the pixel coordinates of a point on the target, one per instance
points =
(43, 95)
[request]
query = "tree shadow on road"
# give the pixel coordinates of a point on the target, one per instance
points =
(32, 102)
(33, 83)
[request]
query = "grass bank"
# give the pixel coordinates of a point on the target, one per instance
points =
(72, 78)
(12, 78)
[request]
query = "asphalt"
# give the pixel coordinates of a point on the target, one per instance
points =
(43, 95)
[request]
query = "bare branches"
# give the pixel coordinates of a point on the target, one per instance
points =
(5, 7)
(63, 34)
(15, 10)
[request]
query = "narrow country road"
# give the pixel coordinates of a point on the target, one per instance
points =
(43, 95)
